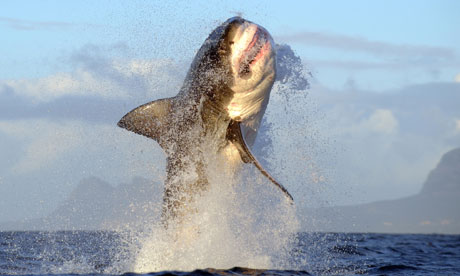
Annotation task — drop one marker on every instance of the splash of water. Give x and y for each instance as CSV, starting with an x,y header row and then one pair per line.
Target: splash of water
x,y
240,220
235,223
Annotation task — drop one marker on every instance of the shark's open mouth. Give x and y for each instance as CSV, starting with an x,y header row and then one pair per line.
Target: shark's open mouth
x,y
255,50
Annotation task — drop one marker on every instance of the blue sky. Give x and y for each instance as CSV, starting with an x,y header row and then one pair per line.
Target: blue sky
x,y
380,112
40,33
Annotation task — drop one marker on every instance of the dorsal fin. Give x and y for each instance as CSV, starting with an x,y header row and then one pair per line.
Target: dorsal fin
x,y
150,119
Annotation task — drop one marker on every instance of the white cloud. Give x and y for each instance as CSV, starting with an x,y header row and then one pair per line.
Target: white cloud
x,y
20,24
45,142
49,144
79,82
361,44
457,78
383,121
353,122
457,125
114,79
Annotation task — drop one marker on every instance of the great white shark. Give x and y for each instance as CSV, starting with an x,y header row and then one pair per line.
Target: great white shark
x,y
222,101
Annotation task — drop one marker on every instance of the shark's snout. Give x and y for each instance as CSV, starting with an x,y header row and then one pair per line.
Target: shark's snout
x,y
251,44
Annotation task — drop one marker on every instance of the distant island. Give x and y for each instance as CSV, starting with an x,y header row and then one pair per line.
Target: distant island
x,y
95,205
435,209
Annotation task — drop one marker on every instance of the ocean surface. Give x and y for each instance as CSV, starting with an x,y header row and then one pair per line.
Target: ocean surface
x,y
103,252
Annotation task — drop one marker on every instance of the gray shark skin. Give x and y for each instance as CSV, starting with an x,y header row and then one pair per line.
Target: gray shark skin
x,y
221,102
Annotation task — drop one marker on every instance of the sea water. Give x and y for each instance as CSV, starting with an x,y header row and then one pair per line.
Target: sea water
x,y
241,225
103,252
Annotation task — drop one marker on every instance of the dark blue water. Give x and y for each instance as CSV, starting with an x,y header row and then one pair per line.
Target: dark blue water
x,y
99,252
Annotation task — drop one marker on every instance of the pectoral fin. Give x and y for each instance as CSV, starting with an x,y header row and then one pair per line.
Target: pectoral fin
x,y
150,119
235,136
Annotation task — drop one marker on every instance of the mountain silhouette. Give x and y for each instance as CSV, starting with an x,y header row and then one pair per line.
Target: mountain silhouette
x,y
445,178
95,204
435,209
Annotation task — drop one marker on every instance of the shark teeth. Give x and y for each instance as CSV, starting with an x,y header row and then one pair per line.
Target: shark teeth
x,y
251,53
